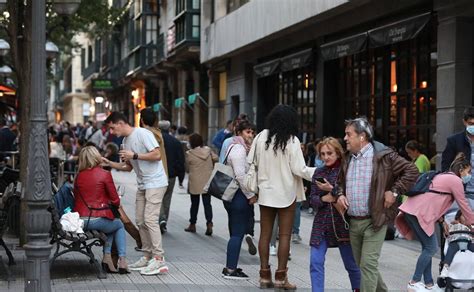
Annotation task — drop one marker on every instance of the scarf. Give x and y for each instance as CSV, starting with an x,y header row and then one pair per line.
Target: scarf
x,y
241,141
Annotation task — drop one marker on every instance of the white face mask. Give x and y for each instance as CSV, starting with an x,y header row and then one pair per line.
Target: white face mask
x,y
466,179
470,130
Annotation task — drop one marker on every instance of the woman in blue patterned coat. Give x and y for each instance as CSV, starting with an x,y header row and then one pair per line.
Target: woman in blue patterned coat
x,y
329,227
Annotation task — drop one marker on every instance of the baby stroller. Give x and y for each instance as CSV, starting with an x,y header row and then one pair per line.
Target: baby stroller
x,y
461,270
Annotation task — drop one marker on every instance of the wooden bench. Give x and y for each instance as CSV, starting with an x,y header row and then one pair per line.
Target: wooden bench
x,y
70,241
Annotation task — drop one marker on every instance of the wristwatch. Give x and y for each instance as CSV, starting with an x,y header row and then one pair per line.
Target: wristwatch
x,y
395,194
135,156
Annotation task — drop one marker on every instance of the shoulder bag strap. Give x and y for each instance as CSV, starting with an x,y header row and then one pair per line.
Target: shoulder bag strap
x,y
227,155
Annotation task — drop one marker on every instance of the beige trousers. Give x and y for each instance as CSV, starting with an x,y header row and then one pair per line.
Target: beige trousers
x,y
147,213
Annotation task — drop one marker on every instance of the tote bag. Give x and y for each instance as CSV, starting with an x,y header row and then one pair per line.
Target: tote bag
x,y
222,183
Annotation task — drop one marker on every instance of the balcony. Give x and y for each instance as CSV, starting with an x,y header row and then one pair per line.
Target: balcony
x,y
90,69
187,23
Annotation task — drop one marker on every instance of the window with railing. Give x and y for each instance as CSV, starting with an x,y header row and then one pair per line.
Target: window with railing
x,y
151,28
187,22
180,6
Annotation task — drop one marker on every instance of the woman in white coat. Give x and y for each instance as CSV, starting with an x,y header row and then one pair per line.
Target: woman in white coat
x,y
281,168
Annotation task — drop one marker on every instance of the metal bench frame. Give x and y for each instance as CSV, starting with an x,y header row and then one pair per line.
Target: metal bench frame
x,y
74,242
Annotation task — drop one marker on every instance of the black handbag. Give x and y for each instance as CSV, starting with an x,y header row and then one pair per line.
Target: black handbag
x,y
115,210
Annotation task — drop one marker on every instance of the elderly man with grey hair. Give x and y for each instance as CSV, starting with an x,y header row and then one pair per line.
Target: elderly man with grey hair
x,y
175,161
374,177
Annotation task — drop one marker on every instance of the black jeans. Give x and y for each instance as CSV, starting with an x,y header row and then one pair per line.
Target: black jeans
x,y
206,200
251,222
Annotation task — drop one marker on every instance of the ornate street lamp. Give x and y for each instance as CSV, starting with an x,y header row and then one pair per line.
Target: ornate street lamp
x,y
4,47
51,50
5,71
38,182
65,7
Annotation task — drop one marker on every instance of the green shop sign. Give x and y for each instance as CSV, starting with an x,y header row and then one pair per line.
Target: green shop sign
x,y
192,98
178,102
102,84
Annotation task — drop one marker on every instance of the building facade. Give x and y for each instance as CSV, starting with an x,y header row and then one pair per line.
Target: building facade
x,y
405,65
151,59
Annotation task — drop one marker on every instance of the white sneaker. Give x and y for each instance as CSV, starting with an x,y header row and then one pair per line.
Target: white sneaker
x,y
418,286
139,265
273,250
155,267
434,288
444,272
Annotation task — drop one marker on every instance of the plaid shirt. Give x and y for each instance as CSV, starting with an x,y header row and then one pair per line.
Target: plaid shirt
x,y
359,176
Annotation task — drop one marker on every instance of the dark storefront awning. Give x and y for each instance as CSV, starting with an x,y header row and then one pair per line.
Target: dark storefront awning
x,y
398,31
296,60
343,47
267,68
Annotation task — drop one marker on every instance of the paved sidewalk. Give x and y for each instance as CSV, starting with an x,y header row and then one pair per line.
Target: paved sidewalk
x,y
196,260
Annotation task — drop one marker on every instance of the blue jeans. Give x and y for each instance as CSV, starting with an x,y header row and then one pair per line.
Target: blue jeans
x,y
113,229
318,256
297,220
238,212
429,247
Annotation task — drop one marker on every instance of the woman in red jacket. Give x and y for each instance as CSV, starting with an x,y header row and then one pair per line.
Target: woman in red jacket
x,y
94,191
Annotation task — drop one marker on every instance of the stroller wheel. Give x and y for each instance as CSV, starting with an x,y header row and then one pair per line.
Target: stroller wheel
x,y
441,282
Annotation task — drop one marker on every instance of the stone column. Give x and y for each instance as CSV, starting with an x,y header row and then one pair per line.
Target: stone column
x,y
213,105
454,78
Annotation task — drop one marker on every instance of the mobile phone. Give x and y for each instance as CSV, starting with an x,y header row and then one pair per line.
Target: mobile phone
x,y
320,180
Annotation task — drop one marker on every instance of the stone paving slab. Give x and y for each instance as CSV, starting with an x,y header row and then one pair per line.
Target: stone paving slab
x,y
196,261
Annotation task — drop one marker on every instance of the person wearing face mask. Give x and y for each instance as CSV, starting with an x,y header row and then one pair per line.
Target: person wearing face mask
x,y
417,220
461,142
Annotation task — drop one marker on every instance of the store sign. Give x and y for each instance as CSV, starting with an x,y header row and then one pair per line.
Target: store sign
x,y
192,98
297,60
102,84
344,47
100,117
156,107
266,69
399,31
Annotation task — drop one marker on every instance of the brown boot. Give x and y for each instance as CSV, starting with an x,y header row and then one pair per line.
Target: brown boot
x,y
191,228
266,278
123,266
209,229
281,280
107,264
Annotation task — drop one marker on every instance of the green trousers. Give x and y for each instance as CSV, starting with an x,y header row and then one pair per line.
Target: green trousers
x,y
366,247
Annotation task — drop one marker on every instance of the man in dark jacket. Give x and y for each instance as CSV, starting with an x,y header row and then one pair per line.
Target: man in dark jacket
x,y
375,176
460,142
175,161
7,138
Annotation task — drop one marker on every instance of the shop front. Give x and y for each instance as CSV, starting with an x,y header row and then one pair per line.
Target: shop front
x,y
289,80
387,74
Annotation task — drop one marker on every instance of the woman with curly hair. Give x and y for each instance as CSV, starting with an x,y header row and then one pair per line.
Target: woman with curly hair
x,y
281,167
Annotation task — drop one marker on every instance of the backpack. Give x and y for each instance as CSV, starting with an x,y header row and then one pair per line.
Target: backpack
x,y
423,184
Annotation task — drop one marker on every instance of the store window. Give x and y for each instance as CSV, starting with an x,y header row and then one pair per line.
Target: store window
x,y
395,88
298,89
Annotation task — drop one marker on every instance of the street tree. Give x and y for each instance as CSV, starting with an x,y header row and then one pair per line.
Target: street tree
x,y
93,17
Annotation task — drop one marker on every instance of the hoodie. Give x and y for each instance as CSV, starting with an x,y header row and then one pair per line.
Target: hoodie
x,y
199,163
